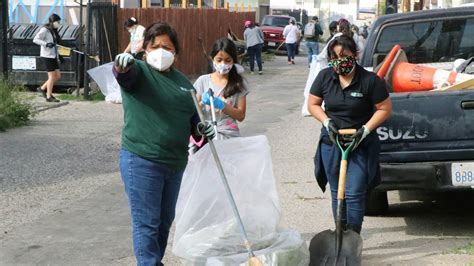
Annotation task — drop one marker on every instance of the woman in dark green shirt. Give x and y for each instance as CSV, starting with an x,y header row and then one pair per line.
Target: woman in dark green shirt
x,y
159,116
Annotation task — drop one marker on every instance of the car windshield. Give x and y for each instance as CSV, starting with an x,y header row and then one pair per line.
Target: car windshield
x,y
431,41
275,21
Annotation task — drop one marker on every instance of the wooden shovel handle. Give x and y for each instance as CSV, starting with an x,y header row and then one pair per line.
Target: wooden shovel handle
x,y
348,131
341,189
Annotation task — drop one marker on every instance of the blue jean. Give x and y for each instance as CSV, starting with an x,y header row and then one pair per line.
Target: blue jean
x,y
356,181
152,189
291,49
255,52
313,49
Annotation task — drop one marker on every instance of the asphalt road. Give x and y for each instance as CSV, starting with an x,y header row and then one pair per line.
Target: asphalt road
x,y
62,200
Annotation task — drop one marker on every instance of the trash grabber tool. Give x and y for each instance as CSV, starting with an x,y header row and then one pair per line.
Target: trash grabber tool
x,y
339,247
253,260
213,111
69,49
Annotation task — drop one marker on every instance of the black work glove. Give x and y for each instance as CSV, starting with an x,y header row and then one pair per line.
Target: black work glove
x,y
359,136
50,45
332,130
206,130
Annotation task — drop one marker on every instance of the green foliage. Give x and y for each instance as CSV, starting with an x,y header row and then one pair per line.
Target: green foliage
x,y
96,97
14,111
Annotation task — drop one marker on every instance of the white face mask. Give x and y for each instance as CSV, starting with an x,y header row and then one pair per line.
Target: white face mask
x,y
160,59
223,68
56,24
131,30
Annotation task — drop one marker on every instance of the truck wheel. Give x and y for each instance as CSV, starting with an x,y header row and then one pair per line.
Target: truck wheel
x,y
376,203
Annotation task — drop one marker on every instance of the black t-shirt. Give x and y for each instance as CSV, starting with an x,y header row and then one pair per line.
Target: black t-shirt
x,y
355,105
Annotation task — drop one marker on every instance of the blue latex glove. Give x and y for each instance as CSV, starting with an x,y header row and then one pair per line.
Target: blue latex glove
x,y
218,103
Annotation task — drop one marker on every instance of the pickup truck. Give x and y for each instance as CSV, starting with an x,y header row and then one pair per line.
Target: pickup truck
x,y
428,142
272,28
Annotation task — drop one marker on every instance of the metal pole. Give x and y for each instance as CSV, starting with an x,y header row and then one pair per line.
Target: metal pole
x,y
80,48
4,38
87,49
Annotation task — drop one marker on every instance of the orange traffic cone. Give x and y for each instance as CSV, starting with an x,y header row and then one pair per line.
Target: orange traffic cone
x,y
406,77
411,77
387,61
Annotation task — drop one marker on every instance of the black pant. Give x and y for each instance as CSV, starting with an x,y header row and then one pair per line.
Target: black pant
x,y
255,52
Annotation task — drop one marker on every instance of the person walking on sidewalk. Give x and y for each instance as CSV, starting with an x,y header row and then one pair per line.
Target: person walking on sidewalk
x,y
230,90
312,30
354,98
253,37
48,38
135,46
159,116
292,35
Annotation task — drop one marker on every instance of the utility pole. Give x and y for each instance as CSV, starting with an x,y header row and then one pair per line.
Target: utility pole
x,y
79,56
88,50
391,6
301,14
4,38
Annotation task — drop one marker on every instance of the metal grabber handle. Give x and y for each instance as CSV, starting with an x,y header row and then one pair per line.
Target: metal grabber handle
x,y
224,181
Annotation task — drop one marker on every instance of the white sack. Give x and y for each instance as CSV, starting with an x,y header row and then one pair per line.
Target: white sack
x,y
107,83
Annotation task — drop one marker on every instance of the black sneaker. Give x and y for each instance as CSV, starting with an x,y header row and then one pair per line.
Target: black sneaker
x,y
52,99
43,92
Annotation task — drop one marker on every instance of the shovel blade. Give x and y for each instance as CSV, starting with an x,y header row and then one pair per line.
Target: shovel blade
x,y
322,249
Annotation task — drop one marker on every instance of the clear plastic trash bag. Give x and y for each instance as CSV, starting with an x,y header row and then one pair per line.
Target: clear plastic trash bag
x,y
206,230
107,83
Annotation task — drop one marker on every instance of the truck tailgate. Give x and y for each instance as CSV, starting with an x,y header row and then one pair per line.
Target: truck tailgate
x,y
429,126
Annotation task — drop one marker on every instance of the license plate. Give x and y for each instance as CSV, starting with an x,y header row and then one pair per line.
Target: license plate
x,y
271,44
462,174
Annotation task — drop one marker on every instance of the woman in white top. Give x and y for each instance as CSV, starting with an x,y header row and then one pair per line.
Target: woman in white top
x,y
48,38
135,47
291,34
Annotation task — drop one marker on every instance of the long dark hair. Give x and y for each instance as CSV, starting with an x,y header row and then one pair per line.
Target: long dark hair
x,y
157,29
346,42
235,81
53,18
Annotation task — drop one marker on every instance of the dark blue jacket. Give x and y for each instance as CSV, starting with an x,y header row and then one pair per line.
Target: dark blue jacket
x,y
371,149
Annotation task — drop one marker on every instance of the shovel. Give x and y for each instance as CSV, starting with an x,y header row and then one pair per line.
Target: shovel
x,y
340,247
253,260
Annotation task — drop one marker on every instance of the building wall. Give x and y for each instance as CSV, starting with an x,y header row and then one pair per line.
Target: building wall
x,y
260,7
